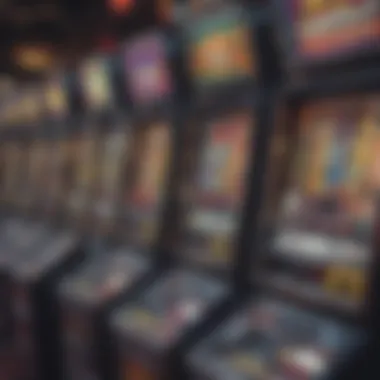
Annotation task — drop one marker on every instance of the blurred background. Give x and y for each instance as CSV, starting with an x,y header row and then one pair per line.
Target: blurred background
x,y
38,36
189,189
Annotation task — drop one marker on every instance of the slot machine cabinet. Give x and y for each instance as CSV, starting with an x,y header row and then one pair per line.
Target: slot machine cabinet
x,y
313,309
8,152
320,38
106,110
85,294
17,228
15,138
154,327
126,265
37,271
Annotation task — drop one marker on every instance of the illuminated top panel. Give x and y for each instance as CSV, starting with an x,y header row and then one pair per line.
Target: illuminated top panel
x,y
221,49
147,69
325,28
327,217
96,83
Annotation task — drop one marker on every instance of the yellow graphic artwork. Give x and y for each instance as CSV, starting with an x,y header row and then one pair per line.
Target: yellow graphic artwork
x,y
220,248
224,54
363,152
96,84
344,281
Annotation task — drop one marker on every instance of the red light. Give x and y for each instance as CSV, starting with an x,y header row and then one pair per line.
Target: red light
x,y
121,6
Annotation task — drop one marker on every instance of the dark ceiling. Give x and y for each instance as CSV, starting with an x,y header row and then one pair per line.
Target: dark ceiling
x,y
69,28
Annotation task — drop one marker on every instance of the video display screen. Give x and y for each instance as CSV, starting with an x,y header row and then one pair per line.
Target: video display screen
x,y
213,218
221,49
329,28
96,83
113,153
84,151
147,69
327,215
154,159
145,198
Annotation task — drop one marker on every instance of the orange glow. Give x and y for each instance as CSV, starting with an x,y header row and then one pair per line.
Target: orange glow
x,y
33,58
121,6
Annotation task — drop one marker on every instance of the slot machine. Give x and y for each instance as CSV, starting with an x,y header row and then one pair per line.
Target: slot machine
x,y
20,182
10,156
36,271
84,293
106,106
318,37
313,309
17,234
21,113
126,264
154,327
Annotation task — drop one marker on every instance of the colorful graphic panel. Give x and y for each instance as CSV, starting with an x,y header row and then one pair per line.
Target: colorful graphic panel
x,y
326,28
213,219
147,69
154,160
327,217
221,49
96,83
146,196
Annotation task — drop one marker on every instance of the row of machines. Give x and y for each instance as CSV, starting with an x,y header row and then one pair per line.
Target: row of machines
x,y
174,210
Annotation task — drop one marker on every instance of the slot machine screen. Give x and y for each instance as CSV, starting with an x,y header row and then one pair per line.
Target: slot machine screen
x,y
83,149
56,101
148,189
114,151
327,216
96,83
329,28
147,69
155,151
221,49
213,218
